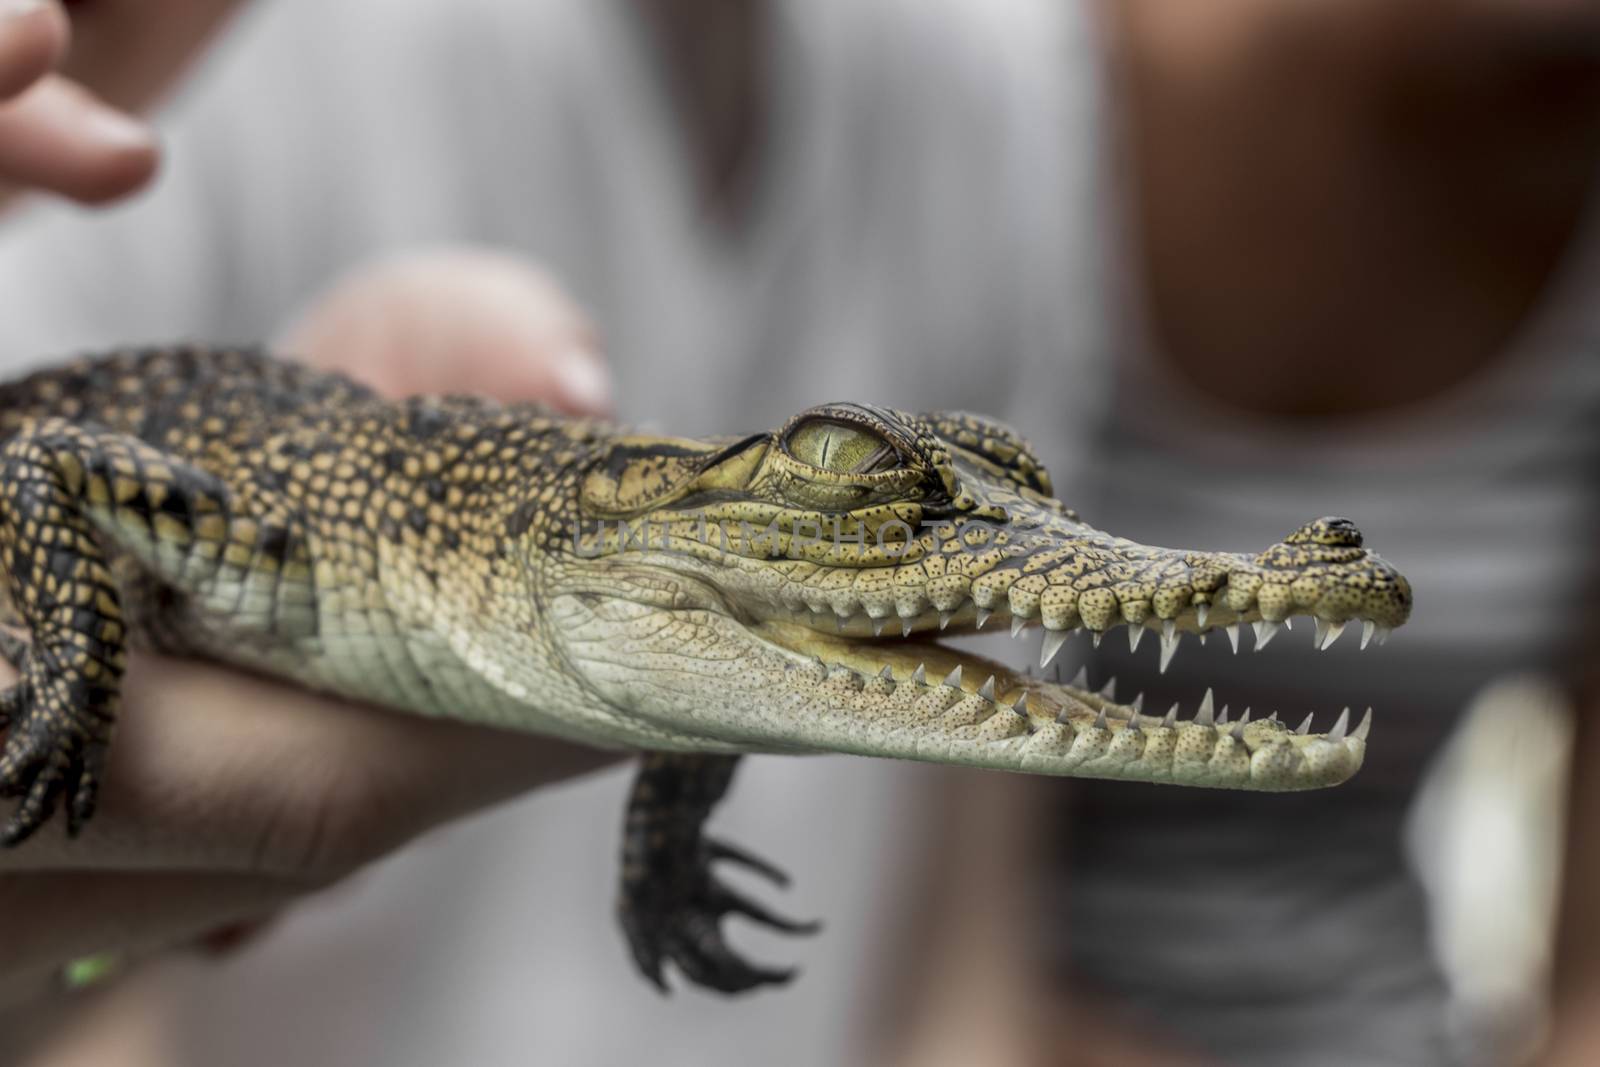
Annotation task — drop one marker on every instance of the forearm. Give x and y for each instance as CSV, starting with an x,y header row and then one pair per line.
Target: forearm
x,y
1575,982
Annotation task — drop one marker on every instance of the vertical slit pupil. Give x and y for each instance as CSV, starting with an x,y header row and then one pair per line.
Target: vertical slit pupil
x,y
839,447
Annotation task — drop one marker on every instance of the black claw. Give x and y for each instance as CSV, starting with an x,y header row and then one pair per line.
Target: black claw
x,y
672,904
78,798
728,901
706,960
723,850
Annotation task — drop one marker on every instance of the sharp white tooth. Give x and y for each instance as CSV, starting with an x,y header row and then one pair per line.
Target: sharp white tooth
x,y
1169,647
1233,636
986,690
1368,628
982,617
1360,732
1382,634
887,674
1097,637
1238,730
877,627
1273,717
1053,640
1319,640
1334,630
1135,634
1100,720
944,619
1020,707
1109,690
1340,727
1288,624
1207,707
920,675
953,679
840,622
905,627
1168,629
1265,632
1138,704
1017,624
1201,612
1063,718
1081,679
1222,716
1172,717
1202,639
1304,728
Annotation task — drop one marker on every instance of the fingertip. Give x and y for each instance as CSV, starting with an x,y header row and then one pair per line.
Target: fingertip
x,y
60,137
127,156
33,38
582,382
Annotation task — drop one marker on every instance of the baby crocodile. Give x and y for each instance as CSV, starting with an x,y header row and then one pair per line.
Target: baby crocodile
x,y
694,599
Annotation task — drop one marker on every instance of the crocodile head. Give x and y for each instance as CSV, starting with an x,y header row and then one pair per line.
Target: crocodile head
x,y
784,591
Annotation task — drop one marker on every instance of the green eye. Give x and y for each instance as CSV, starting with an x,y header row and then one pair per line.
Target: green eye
x,y
840,447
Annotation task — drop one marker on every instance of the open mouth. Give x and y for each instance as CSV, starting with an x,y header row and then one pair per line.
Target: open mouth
x,y
932,701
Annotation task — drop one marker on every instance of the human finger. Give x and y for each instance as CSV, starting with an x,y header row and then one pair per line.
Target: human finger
x,y
458,320
59,137
33,36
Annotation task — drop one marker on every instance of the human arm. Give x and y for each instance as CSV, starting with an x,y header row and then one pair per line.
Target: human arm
x,y
1574,1036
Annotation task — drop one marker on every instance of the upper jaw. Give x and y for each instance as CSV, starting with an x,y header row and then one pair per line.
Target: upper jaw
x,y
1064,576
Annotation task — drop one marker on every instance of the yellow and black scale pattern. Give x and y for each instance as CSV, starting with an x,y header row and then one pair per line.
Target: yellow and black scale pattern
x,y
225,503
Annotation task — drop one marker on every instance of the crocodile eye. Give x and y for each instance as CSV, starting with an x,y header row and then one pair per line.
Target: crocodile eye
x,y
840,447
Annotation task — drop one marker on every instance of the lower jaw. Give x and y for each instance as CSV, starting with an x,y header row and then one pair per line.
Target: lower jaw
x,y
973,711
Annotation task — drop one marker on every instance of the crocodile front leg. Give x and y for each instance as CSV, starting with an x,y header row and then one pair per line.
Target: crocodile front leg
x,y
672,904
74,501
59,715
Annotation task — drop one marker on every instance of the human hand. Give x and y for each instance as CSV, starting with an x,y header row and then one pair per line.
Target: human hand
x,y
227,796
66,114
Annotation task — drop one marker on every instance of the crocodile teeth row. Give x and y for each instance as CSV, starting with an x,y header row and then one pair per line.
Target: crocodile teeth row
x,y
1057,608
945,720
1206,714
1326,631
1171,637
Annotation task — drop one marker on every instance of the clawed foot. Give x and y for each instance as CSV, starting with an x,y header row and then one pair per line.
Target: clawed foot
x,y
55,744
672,907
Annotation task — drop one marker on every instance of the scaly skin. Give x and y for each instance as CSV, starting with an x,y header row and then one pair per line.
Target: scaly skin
x,y
774,593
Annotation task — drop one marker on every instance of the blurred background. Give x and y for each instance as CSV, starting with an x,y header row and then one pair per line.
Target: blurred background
x,y
1229,265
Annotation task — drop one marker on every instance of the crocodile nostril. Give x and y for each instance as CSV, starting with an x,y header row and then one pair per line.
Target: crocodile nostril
x,y
1329,530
